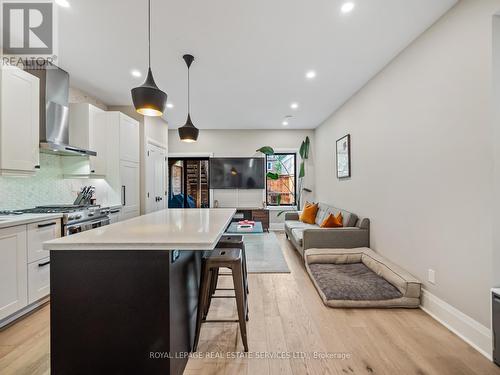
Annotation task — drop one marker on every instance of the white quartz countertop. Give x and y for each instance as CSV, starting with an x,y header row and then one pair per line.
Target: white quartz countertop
x,y
15,220
170,229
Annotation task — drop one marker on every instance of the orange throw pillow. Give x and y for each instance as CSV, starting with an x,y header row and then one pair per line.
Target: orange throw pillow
x,y
333,221
309,213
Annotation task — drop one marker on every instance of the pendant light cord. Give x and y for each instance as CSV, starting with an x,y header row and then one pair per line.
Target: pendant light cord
x,y
189,94
149,31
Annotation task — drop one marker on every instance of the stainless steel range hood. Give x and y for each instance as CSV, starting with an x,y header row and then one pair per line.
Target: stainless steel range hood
x,y
54,112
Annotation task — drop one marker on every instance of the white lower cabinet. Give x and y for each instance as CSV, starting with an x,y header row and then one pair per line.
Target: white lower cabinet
x,y
38,233
115,215
24,266
13,271
38,280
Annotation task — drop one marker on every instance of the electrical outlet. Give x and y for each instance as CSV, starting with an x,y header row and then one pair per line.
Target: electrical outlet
x,y
432,276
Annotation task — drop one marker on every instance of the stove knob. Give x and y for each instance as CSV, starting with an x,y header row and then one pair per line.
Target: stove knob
x,y
78,217
71,217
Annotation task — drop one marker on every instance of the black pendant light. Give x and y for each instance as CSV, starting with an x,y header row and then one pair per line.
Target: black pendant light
x,y
148,99
188,132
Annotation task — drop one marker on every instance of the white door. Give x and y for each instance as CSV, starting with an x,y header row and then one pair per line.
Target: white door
x,y
156,179
13,270
129,174
19,121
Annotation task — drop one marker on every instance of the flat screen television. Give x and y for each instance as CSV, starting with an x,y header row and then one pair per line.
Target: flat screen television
x,y
237,173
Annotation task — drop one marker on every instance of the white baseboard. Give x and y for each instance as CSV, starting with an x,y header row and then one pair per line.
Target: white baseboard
x,y
468,329
8,320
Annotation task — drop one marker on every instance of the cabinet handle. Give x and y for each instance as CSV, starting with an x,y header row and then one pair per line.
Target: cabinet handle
x,y
114,211
37,167
92,171
44,264
124,195
46,225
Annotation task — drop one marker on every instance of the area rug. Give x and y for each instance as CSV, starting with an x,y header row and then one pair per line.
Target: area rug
x,y
264,254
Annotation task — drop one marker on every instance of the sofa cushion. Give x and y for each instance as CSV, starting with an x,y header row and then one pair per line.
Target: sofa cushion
x,y
309,213
293,224
324,210
332,221
322,213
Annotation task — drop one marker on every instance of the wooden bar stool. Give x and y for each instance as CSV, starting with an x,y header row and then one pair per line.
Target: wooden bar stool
x,y
226,258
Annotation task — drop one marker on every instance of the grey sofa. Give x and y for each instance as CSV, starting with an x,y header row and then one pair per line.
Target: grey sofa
x,y
355,233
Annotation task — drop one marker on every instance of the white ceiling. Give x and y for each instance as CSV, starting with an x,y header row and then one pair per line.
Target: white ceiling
x,y
251,55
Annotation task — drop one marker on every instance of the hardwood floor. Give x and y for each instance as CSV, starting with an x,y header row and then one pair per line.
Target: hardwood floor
x,y
287,318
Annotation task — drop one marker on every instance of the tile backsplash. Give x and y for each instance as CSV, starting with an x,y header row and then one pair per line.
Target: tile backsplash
x,y
46,187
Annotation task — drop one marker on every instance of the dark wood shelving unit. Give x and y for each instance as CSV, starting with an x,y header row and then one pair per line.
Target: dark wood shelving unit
x,y
255,214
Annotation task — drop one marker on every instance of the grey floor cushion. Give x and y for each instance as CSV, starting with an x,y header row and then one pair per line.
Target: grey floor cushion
x,y
352,282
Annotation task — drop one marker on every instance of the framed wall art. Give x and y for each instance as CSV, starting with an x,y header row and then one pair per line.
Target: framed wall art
x,y
344,157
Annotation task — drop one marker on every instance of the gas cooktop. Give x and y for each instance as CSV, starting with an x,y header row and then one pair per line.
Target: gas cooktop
x,y
56,209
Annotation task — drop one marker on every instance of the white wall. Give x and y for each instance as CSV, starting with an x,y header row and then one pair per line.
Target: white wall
x,y
242,143
422,158
496,149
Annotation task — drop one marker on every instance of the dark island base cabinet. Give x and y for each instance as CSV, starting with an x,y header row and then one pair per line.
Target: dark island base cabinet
x,y
123,312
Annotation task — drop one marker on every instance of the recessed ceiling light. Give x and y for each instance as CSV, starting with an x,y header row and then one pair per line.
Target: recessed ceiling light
x,y
63,3
294,105
310,74
170,105
286,120
136,73
347,7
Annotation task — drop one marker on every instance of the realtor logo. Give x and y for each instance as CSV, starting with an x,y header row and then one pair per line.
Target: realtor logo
x,y
27,28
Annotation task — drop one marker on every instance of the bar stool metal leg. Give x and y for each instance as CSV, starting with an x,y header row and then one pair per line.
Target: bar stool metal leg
x,y
202,301
240,302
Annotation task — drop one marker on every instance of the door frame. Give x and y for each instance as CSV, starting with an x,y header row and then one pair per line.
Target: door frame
x,y
151,144
183,157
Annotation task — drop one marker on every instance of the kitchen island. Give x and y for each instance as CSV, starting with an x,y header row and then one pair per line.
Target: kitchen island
x,y
124,297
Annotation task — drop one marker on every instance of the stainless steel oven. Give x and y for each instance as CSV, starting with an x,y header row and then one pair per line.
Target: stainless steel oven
x,y
75,218
70,229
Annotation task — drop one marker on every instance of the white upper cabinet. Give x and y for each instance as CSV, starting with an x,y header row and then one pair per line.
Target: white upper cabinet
x,y
123,159
87,133
129,139
19,121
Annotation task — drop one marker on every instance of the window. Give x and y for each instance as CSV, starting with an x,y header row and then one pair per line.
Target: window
x,y
280,179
